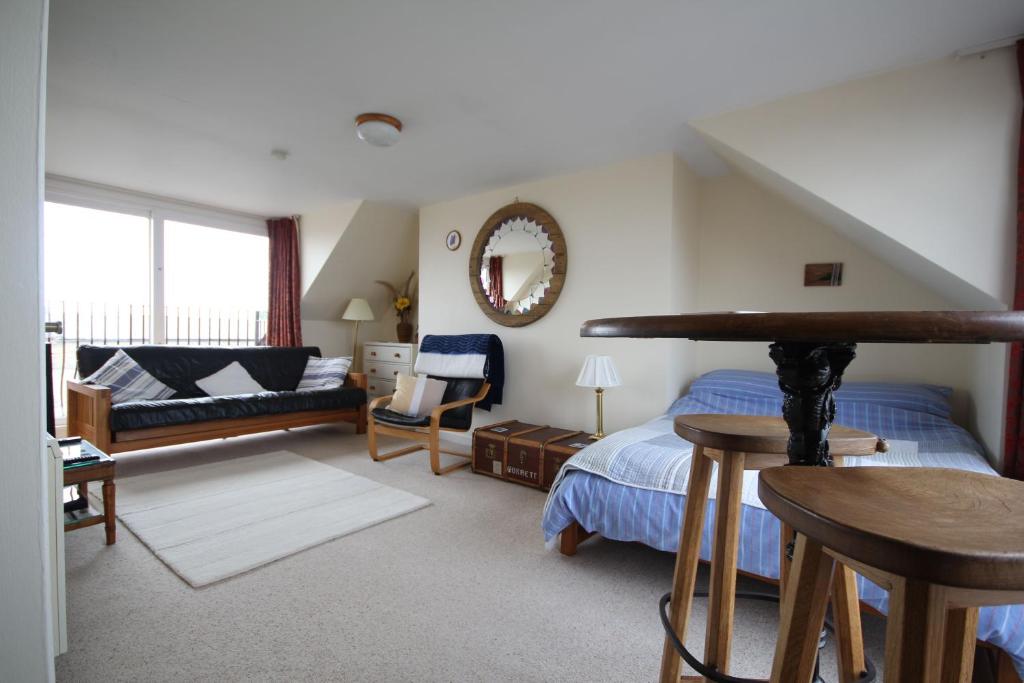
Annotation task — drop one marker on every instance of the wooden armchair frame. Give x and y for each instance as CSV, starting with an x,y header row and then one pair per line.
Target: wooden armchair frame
x,y
430,434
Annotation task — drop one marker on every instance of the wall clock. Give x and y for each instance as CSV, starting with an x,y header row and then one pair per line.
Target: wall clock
x,y
453,241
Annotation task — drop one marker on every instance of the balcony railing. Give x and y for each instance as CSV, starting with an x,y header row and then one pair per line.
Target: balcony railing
x,y
125,324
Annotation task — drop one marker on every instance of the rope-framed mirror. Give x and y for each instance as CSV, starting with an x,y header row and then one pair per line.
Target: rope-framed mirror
x,y
517,265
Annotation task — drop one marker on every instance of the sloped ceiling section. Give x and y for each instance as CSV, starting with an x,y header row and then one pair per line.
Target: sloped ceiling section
x,y
371,241
916,166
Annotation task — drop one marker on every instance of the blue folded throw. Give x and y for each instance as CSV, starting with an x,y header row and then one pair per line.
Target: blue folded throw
x,y
467,356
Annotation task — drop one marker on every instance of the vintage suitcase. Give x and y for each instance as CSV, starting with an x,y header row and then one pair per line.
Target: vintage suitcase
x,y
490,445
525,457
557,452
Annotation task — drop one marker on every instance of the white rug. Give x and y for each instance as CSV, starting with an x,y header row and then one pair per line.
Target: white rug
x,y
211,522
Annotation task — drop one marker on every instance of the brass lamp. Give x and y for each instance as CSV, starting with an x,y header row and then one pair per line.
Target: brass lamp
x,y
598,373
357,310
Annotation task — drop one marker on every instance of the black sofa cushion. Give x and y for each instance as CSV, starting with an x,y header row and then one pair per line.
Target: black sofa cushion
x,y
459,418
147,414
275,368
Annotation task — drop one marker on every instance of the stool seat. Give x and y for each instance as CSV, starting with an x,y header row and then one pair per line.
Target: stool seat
x,y
767,435
942,526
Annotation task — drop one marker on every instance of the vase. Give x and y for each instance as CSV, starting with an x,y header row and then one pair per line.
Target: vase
x,y
404,331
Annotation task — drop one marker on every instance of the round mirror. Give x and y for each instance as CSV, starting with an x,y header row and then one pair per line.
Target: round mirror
x,y
517,265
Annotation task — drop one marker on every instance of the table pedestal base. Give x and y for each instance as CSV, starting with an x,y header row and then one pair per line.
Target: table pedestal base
x,y
808,375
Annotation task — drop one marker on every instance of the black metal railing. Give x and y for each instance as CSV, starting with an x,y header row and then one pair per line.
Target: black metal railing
x,y
128,323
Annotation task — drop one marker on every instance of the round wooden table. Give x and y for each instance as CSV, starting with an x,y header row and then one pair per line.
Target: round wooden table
x,y
812,350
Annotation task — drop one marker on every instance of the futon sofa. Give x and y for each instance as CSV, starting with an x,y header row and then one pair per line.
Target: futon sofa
x,y
190,414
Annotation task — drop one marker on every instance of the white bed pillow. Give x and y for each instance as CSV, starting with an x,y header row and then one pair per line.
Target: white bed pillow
x,y
417,396
128,381
324,373
232,380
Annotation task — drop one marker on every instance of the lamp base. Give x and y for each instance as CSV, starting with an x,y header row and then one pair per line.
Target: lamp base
x,y
599,434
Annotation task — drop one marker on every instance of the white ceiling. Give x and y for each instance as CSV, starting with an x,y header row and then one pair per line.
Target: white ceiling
x,y
186,98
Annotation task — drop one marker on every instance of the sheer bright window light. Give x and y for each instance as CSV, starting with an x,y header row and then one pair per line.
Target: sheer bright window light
x,y
599,373
379,130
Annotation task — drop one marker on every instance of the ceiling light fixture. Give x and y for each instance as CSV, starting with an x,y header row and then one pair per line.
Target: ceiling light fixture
x,y
379,130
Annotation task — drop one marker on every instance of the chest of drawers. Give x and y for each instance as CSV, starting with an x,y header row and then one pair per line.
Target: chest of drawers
x,y
383,362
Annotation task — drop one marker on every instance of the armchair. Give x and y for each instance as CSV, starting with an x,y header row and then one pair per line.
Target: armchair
x,y
455,414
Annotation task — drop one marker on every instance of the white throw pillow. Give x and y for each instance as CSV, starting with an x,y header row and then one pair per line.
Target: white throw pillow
x,y
128,381
233,380
417,396
324,373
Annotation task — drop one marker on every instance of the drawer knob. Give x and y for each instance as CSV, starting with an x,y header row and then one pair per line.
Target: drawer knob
x,y
396,373
373,353
373,371
398,355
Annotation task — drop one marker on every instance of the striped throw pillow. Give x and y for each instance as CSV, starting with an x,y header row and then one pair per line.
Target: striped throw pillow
x,y
417,396
324,373
128,381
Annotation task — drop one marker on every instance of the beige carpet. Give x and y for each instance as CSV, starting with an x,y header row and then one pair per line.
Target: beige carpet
x,y
462,590
214,521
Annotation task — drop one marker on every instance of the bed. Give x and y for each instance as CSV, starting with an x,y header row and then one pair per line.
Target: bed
x,y
630,486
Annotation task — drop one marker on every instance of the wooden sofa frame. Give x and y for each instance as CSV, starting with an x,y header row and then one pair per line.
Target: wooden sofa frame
x,y
88,410
1004,672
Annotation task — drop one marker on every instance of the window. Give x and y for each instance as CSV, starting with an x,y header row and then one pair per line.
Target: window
x,y
215,285
112,258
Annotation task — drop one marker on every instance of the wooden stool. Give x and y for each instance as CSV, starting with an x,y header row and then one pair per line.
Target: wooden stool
x,y
738,443
942,542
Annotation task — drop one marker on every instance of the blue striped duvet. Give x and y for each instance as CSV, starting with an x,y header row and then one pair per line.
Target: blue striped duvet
x,y
612,507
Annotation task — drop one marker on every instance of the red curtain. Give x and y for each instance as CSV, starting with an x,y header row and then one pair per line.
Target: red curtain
x,y
495,269
284,322
1013,464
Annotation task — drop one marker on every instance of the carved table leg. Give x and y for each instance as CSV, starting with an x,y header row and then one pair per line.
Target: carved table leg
x,y
808,375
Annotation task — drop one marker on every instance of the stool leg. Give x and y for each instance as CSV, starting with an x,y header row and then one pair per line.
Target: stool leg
x,y
803,614
722,593
785,538
687,557
914,632
958,652
849,636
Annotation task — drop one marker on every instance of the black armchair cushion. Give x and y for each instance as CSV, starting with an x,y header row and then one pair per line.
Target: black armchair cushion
x,y
460,418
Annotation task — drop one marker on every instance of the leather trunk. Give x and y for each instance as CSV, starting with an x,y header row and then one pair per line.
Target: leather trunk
x,y
490,445
524,463
557,452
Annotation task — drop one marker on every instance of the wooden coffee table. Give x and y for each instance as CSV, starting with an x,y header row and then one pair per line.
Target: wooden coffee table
x,y
80,475
811,351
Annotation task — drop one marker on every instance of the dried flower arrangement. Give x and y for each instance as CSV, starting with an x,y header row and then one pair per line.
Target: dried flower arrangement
x,y
402,303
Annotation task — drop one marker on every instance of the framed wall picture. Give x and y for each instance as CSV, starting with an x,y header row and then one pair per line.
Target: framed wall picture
x,y
453,241
823,274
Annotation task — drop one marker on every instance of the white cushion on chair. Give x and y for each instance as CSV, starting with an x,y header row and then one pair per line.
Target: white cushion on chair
x,y
417,396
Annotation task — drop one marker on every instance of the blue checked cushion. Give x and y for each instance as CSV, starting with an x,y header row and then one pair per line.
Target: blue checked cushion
x,y
128,381
324,373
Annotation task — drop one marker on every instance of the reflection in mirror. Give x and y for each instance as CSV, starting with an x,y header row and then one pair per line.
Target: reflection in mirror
x,y
517,265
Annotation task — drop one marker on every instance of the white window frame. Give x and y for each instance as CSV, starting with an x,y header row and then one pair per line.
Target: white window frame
x,y
64,190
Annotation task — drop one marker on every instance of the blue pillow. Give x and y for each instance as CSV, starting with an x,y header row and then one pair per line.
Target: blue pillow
x,y
747,384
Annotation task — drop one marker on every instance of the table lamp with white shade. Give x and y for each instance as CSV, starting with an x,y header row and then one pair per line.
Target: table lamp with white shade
x,y
357,310
599,373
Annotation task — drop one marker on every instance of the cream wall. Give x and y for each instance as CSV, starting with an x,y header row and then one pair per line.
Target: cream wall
x,y
917,164
26,648
344,249
648,237
622,236
753,248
